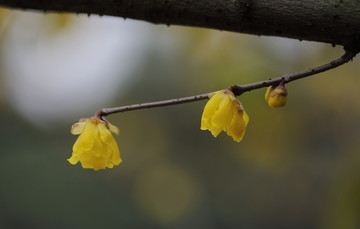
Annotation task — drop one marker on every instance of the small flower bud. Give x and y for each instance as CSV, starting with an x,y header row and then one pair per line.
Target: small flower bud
x,y
277,97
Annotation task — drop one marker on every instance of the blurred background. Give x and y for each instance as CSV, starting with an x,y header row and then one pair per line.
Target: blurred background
x,y
297,167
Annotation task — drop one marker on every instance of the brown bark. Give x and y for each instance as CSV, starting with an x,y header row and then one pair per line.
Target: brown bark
x,y
330,21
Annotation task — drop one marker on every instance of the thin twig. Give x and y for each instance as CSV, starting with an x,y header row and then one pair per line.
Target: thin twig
x,y
107,111
348,55
237,89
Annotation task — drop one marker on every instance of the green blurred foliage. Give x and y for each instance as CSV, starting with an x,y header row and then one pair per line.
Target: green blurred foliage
x,y
297,167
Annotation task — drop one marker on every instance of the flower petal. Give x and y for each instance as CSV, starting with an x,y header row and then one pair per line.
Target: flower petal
x,y
109,140
246,117
115,159
113,128
215,131
268,92
210,109
73,160
224,113
77,128
237,127
86,139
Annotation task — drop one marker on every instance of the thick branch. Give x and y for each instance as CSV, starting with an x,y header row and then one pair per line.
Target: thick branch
x,y
330,21
237,89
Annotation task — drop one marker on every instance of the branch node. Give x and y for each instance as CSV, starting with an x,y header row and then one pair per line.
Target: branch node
x,y
236,89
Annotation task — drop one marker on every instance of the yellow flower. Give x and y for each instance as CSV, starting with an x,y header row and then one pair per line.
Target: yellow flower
x,y
276,97
224,112
95,148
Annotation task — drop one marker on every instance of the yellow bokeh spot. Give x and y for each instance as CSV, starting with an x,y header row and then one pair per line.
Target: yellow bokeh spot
x,y
166,193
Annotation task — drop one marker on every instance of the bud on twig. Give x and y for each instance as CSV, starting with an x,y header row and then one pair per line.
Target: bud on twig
x,y
276,97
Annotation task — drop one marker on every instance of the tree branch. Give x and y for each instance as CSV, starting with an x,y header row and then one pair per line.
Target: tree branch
x,y
348,55
329,21
107,111
237,89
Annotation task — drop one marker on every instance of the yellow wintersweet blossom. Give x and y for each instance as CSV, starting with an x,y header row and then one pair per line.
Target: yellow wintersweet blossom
x,y
276,97
95,148
223,112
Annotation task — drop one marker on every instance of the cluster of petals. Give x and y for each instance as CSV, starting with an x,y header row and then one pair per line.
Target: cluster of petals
x,y
223,112
95,148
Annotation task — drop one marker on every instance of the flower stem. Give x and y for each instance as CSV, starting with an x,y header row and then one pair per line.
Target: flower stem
x,y
237,89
